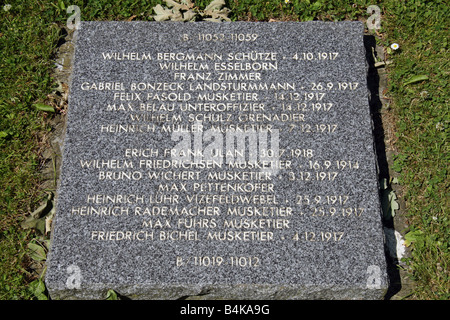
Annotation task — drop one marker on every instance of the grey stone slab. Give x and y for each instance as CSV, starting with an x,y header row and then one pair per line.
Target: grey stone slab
x,y
138,219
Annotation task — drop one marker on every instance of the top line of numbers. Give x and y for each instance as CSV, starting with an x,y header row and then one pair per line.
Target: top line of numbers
x,y
247,37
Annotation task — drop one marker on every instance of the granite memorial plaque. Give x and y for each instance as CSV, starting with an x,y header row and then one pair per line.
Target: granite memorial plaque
x,y
218,161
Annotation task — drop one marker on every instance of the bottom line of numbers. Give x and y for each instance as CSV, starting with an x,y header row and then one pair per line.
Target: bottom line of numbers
x,y
216,261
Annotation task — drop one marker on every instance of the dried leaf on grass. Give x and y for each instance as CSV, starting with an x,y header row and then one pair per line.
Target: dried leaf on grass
x,y
162,13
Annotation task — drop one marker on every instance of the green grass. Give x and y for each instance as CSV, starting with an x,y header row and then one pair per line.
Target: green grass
x,y
29,32
26,43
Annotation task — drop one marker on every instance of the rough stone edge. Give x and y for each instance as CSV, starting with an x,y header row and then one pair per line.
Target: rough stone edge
x,y
224,292
63,75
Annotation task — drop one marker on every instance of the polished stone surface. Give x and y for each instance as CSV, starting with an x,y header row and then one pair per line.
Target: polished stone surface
x,y
132,219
